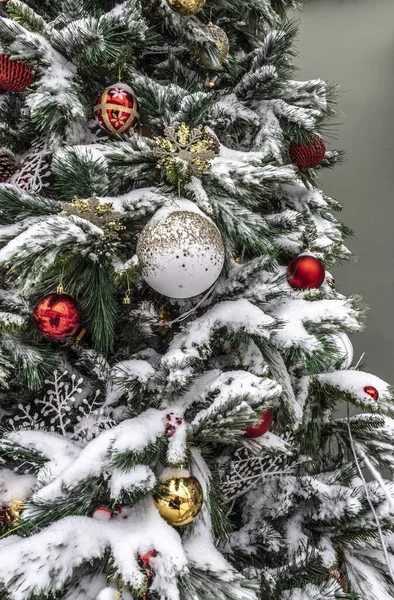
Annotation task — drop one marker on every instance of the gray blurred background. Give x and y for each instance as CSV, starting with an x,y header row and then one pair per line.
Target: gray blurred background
x,y
351,42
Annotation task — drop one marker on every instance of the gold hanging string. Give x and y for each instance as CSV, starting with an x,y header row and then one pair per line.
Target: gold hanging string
x,y
80,335
60,287
127,299
120,71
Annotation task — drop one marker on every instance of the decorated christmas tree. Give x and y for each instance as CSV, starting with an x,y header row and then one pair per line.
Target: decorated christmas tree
x,y
173,348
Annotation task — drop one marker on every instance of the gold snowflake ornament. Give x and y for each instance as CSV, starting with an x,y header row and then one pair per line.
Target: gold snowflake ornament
x,y
185,150
101,214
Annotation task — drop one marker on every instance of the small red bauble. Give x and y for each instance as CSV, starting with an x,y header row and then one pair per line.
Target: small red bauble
x,y
57,316
116,109
372,391
307,156
266,419
102,514
305,272
15,75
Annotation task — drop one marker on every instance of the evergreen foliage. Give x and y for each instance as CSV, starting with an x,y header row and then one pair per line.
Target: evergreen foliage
x,y
93,420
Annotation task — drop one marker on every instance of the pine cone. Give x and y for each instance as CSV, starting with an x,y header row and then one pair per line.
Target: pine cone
x,y
7,164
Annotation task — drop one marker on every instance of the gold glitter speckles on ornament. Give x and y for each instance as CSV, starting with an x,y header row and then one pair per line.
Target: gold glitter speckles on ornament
x,y
101,214
195,147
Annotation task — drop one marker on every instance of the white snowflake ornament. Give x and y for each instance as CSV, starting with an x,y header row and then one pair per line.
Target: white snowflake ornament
x,y
181,251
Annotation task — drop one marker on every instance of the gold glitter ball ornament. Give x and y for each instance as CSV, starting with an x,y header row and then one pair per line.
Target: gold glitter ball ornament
x,y
178,497
186,7
222,42
180,251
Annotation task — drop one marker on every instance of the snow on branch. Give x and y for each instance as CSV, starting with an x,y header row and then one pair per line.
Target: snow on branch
x,y
301,318
54,101
47,560
353,383
139,203
34,251
238,396
132,435
55,451
237,172
15,487
238,317
304,117
254,280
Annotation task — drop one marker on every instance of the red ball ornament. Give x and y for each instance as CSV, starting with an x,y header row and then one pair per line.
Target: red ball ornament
x,y
372,391
116,109
266,419
307,156
102,514
57,316
15,75
305,272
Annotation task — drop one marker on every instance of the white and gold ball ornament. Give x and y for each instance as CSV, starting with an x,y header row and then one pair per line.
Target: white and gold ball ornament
x,y
180,251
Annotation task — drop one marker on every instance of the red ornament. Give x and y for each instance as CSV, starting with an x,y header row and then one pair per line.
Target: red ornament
x,y
116,109
307,156
102,514
15,75
266,419
305,272
372,391
57,316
